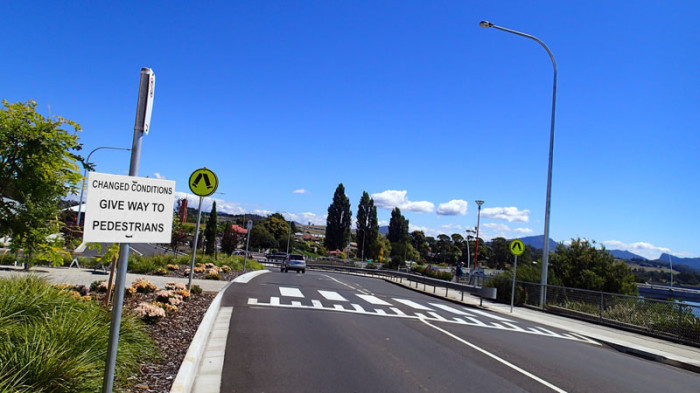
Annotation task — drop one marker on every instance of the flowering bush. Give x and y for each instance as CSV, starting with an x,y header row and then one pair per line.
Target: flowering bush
x,y
226,269
160,272
169,297
102,287
175,286
187,272
184,293
144,286
129,291
210,266
173,267
213,274
75,294
169,308
199,269
149,312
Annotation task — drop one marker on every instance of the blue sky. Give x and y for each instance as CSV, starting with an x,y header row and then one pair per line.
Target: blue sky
x,y
408,100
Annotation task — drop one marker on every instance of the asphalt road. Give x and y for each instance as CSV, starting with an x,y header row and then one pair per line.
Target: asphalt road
x,y
326,332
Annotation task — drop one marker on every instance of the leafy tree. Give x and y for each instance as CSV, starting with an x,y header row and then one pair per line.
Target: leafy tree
x,y
279,228
582,265
383,248
367,227
37,168
420,244
501,252
178,236
210,232
398,227
260,238
229,240
338,221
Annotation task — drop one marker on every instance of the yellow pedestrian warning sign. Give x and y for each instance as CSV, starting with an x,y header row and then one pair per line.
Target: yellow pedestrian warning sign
x,y
517,247
203,182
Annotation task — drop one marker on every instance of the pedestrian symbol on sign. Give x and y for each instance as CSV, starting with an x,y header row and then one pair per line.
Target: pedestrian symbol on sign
x,y
517,247
203,182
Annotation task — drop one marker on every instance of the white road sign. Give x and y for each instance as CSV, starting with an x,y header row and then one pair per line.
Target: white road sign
x,y
128,209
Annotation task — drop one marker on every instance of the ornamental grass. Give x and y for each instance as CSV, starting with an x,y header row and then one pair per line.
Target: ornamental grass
x,y
51,341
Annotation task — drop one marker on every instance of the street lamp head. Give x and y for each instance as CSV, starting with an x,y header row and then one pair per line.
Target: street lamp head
x,y
484,24
479,203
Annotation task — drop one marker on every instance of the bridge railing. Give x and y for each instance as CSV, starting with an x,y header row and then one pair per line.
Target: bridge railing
x,y
665,319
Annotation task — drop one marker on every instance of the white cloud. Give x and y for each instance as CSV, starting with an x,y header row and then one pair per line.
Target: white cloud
x,y
158,176
427,231
453,208
300,191
523,231
644,249
390,199
510,214
452,227
305,218
497,227
385,223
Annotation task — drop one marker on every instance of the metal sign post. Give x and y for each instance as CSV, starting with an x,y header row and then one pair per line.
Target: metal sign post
x,y
203,182
516,248
143,118
196,240
245,258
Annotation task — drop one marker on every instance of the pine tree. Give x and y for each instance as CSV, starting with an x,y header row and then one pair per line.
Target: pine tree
x,y
367,227
229,240
398,227
210,232
338,221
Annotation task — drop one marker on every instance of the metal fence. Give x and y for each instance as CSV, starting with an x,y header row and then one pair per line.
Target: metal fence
x,y
666,319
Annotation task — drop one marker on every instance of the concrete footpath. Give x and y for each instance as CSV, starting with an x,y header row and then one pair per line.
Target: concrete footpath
x,y
75,276
204,360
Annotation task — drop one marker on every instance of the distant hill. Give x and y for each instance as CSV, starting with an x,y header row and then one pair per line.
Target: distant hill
x,y
625,255
692,262
538,242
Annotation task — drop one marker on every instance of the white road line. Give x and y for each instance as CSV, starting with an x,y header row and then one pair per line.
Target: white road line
x,y
476,321
488,314
413,304
584,338
274,301
437,316
317,303
397,311
374,300
345,284
252,301
498,359
339,307
357,307
379,311
296,303
291,292
514,327
451,309
330,295
551,333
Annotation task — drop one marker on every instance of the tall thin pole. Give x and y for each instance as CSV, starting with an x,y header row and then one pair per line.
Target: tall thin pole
x,y
196,241
245,258
545,251
147,79
478,219
671,262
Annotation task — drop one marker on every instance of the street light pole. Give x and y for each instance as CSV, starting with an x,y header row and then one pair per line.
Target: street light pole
x,y
87,161
545,251
478,219
469,257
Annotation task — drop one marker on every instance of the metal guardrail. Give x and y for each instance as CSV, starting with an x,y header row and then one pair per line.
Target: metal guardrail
x,y
660,318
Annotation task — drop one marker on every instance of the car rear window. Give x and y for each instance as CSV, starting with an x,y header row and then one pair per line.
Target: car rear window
x,y
295,257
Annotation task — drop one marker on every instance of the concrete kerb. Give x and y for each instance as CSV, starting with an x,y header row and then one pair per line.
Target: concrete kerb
x,y
628,348
190,364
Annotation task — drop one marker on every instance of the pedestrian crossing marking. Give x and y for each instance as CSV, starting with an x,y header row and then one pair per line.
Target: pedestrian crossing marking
x,y
413,304
291,292
334,296
451,309
374,300
467,317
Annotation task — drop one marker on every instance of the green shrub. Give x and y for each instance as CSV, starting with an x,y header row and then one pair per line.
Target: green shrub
x,y
196,289
53,342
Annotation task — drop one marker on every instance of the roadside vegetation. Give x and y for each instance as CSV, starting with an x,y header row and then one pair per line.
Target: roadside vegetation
x,y
52,340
